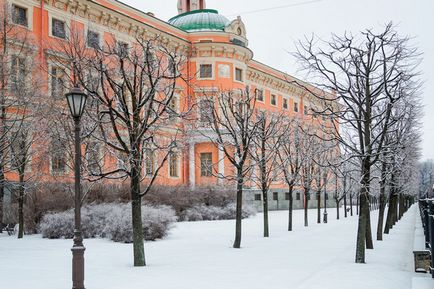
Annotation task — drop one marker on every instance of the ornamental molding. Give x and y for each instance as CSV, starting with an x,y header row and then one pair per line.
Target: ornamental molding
x,y
115,23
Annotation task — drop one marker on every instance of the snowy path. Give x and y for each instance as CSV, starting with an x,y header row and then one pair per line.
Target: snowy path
x,y
199,256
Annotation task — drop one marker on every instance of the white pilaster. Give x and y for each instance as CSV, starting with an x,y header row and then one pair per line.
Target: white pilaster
x,y
221,164
192,165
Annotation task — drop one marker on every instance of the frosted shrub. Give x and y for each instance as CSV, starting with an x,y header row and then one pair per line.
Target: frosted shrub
x,y
58,225
210,213
157,221
112,221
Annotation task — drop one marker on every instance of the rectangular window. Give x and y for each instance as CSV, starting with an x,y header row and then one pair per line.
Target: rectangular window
x,y
305,110
317,195
295,106
297,196
275,196
308,197
19,15
149,162
58,28
205,71
93,39
238,74
287,196
206,164
273,99
206,107
173,165
326,196
258,197
285,103
259,94
18,72
57,82
58,157
123,49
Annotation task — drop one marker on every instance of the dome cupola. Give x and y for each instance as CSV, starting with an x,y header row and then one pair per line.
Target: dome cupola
x,y
200,20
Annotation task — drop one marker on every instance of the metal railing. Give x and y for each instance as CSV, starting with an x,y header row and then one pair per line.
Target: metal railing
x,y
426,207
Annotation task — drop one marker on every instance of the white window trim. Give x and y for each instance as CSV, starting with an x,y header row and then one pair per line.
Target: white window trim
x,y
61,17
277,99
218,70
64,173
263,95
243,74
67,72
287,103
198,64
24,4
96,30
178,167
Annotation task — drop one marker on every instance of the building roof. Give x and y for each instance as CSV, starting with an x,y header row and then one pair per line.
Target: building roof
x,y
200,20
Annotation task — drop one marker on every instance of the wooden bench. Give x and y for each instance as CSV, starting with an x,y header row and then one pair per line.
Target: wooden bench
x,y
9,228
422,256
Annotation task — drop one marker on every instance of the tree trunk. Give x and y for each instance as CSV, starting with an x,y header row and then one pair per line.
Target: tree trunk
x,y
382,203
361,231
265,208
357,205
306,204
1,199
337,209
21,207
369,242
138,245
319,207
345,205
390,213
381,215
237,242
351,205
291,201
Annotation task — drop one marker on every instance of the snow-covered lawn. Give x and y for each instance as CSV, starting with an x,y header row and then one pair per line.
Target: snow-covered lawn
x,y
199,256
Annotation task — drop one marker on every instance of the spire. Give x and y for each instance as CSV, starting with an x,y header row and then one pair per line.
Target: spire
x,y
190,5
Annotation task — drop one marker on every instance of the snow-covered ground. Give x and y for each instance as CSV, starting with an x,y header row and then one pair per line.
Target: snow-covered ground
x,y
199,256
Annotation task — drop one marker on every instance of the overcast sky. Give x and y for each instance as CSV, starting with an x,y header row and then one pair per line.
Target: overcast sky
x,y
272,32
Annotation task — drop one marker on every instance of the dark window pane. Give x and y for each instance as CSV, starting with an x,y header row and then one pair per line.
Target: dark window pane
x,y
206,164
297,196
19,15
205,71
275,196
93,39
58,28
257,197
238,74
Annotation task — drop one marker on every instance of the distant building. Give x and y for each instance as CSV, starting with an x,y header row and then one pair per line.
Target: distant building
x,y
218,56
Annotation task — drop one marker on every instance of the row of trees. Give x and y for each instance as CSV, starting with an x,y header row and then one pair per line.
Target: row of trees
x,y
364,130
374,79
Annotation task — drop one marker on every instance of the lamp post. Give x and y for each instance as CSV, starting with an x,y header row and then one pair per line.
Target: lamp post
x,y
76,101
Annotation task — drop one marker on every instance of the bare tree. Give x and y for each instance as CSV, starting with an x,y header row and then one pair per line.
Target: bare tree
x,y
234,123
290,159
266,145
136,105
366,75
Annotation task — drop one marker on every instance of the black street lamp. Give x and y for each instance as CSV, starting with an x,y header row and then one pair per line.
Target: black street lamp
x,y
76,101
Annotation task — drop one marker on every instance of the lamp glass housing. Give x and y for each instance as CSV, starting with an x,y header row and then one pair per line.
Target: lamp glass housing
x,y
76,101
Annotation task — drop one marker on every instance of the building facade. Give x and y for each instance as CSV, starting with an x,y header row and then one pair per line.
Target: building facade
x,y
218,58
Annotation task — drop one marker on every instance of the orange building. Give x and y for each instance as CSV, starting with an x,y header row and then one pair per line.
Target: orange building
x,y
218,55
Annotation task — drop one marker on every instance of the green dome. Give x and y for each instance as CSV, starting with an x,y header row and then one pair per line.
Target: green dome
x,y
200,20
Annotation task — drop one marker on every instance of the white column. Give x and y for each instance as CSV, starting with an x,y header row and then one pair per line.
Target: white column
x,y
221,165
192,166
